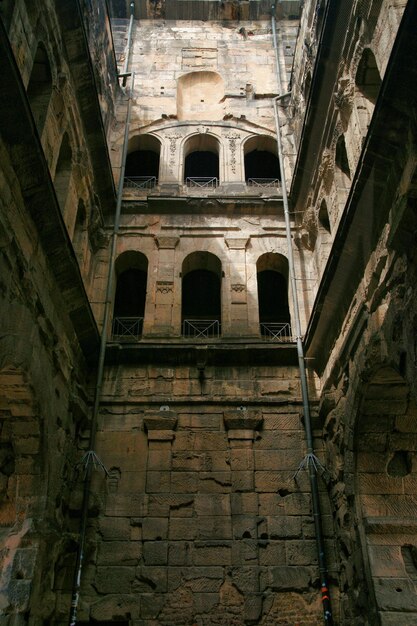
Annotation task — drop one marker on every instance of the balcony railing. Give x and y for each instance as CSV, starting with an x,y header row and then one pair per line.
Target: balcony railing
x,y
202,182
264,183
276,332
201,329
127,328
140,182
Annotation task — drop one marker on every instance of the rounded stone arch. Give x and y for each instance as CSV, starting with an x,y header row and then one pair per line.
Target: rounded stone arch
x,y
385,479
202,156
143,156
201,274
131,271
272,281
200,95
367,86
39,89
260,155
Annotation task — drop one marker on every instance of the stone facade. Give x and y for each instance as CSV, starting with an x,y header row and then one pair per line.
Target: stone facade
x,y
199,509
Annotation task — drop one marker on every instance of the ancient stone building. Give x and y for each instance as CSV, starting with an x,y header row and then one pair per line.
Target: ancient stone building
x,y
208,219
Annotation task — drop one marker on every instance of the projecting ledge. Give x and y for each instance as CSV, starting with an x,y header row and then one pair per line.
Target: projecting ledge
x,y
225,354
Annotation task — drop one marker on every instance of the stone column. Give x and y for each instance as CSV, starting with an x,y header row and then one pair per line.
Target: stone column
x,y
235,300
164,301
234,175
169,169
160,426
242,427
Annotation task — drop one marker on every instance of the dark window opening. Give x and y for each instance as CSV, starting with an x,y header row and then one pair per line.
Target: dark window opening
x,y
130,294
201,295
368,80
324,217
273,298
63,172
142,163
39,89
261,164
201,164
342,162
130,297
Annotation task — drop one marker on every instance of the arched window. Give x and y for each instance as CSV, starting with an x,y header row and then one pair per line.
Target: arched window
x,y
130,297
142,162
201,299
323,218
261,162
80,229
39,89
63,172
368,84
200,96
274,314
201,161
342,170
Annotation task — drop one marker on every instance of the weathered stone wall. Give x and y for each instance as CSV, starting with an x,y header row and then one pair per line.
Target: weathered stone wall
x,y
43,401
234,66
201,519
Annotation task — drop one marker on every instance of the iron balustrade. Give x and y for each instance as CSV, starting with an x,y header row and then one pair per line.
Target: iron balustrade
x,y
127,328
265,183
203,182
201,329
140,182
276,331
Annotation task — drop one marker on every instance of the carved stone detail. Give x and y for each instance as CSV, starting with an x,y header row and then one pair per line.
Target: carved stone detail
x,y
164,286
238,287
233,148
167,243
237,243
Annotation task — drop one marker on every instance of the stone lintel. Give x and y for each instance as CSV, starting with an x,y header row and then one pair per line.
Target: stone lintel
x,y
160,421
237,243
245,434
167,243
242,421
161,435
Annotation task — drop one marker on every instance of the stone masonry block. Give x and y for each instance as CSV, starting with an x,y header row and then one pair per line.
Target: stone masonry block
x,y
150,578
212,553
214,482
155,552
242,481
159,460
289,578
114,528
212,528
179,553
244,503
182,528
272,553
119,553
155,528
212,504
116,579
184,482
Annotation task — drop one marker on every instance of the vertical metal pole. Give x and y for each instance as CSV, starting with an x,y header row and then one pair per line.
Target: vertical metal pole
x,y
310,459
100,371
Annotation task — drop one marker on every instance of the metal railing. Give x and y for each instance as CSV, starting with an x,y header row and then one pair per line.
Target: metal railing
x,y
264,183
276,331
127,328
201,329
140,182
202,182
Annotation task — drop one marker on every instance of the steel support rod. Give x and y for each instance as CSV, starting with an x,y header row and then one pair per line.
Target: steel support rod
x,y
100,371
311,464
